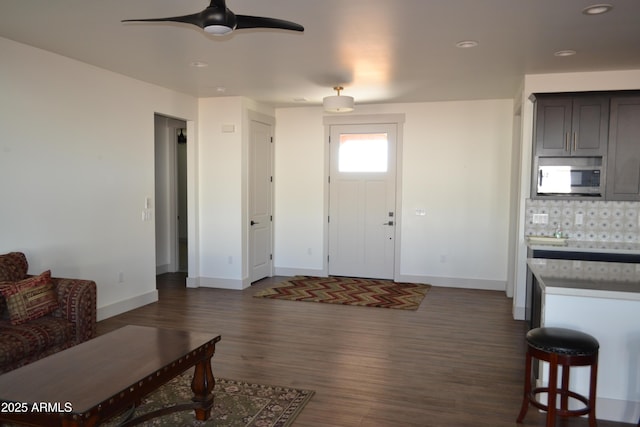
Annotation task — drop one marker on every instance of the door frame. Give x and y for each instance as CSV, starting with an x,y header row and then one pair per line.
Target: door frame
x,y
372,119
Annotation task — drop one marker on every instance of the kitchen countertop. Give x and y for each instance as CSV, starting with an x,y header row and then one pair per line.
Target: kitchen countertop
x,y
595,279
631,248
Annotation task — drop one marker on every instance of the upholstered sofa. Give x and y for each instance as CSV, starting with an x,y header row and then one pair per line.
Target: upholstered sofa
x,y
39,314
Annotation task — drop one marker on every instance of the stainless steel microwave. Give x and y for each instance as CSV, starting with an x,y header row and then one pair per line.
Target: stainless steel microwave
x,y
570,176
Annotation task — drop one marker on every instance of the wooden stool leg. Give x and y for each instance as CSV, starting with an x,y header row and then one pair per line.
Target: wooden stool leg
x,y
592,393
553,388
527,389
564,398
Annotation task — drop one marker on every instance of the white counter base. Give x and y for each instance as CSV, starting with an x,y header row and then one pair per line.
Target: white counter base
x,y
607,308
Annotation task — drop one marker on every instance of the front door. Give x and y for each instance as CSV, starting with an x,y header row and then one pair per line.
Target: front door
x,y
362,200
260,216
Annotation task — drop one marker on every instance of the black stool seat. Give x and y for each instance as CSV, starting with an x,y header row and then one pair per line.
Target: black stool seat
x,y
562,341
561,348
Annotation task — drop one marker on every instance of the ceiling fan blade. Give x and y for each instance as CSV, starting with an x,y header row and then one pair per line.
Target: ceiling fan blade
x,y
194,19
246,21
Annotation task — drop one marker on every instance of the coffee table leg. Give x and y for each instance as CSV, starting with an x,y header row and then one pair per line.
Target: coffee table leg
x,y
202,386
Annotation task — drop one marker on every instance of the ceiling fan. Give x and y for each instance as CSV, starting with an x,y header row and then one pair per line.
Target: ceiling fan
x,y
218,20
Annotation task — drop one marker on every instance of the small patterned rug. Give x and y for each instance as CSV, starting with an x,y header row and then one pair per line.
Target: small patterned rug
x,y
349,291
235,404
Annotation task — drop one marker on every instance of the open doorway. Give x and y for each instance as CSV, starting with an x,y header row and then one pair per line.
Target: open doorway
x,y
171,139
181,195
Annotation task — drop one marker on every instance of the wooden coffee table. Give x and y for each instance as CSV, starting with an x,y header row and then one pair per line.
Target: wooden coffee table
x,y
98,379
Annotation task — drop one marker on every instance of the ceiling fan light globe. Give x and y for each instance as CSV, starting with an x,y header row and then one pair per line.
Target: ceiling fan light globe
x,y
218,30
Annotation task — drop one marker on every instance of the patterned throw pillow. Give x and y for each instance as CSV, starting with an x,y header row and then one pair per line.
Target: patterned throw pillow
x,y
30,298
13,267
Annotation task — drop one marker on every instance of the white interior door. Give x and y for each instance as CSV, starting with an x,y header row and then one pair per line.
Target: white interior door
x,y
260,195
362,200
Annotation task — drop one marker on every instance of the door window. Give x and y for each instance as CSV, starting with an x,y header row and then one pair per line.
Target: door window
x,y
363,152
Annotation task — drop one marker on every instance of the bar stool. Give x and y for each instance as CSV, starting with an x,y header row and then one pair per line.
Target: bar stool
x,y
566,348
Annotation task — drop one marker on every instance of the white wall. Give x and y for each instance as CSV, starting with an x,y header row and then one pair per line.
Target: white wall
x,y
220,197
223,195
299,215
456,166
541,83
76,164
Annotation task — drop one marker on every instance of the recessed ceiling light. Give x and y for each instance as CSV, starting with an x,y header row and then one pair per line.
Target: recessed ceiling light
x,y
199,64
597,9
567,52
221,89
465,44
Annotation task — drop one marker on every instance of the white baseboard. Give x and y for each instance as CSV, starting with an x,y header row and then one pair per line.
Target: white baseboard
x,y
622,411
192,282
290,272
456,282
214,282
126,305
519,313
161,269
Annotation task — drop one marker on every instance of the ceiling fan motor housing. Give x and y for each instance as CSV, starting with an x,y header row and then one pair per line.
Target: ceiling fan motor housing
x,y
218,22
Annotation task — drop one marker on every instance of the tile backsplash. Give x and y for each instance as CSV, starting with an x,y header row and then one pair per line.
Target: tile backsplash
x,y
601,221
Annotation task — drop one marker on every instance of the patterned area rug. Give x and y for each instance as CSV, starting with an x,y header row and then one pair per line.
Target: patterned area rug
x,y
235,404
349,291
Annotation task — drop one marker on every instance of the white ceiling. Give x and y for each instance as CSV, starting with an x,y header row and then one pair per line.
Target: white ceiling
x,y
379,50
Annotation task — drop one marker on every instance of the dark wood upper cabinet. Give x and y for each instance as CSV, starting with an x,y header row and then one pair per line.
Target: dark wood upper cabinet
x,y
623,159
575,125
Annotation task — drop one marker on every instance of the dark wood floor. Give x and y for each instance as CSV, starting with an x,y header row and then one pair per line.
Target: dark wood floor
x,y
457,361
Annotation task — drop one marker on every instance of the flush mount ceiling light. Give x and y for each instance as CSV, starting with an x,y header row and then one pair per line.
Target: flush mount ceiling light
x,y
597,9
338,103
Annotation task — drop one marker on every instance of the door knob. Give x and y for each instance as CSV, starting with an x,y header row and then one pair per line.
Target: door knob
x,y
254,223
388,223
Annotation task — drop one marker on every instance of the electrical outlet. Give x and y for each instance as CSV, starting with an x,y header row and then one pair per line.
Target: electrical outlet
x,y
579,219
540,218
